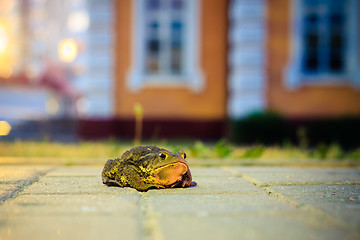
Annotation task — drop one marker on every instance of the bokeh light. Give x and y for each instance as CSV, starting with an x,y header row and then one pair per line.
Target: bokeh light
x,y
6,57
5,128
78,21
4,39
68,50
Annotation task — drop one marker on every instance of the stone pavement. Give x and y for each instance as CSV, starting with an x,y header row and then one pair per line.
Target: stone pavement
x,y
39,202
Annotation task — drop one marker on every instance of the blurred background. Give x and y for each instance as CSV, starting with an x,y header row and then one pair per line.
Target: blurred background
x,y
260,71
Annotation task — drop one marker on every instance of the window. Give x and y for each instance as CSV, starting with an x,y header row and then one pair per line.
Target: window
x,y
165,49
325,42
324,36
164,37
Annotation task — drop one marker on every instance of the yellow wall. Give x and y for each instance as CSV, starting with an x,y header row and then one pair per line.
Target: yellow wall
x,y
307,101
176,103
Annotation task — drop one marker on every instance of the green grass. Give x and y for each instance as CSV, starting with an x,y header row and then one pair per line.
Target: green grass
x,y
219,150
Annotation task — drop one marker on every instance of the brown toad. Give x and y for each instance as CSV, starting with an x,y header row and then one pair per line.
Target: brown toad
x,y
146,167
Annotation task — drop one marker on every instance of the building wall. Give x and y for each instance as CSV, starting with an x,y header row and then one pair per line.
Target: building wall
x,y
304,101
176,102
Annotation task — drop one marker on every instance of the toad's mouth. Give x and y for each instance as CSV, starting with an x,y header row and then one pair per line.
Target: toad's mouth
x,y
171,173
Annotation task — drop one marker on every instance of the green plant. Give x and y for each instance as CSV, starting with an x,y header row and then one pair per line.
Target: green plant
x,y
287,144
199,149
254,152
335,151
139,115
321,151
302,137
324,151
222,148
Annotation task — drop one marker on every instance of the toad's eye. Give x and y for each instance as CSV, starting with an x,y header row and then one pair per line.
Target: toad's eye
x,y
184,155
162,156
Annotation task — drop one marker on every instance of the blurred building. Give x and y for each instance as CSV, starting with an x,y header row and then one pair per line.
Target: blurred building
x,y
191,65
313,58
56,66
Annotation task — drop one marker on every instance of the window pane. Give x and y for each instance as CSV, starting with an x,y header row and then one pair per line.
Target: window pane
x,y
311,41
176,46
336,53
153,5
311,63
152,48
152,56
312,20
311,3
177,4
336,56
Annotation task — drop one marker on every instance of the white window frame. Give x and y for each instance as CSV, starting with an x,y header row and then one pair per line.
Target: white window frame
x,y
191,77
295,77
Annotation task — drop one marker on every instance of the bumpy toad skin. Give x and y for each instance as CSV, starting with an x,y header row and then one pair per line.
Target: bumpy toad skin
x,y
147,167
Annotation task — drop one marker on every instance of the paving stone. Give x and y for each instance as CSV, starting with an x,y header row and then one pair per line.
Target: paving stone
x,y
218,204
46,205
238,216
20,173
341,201
322,193
6,190
277,175
13,178
208,172
248,226
76,171
69,227
79,185
71,207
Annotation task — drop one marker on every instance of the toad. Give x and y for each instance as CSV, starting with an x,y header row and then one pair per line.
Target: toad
x,y
147,167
